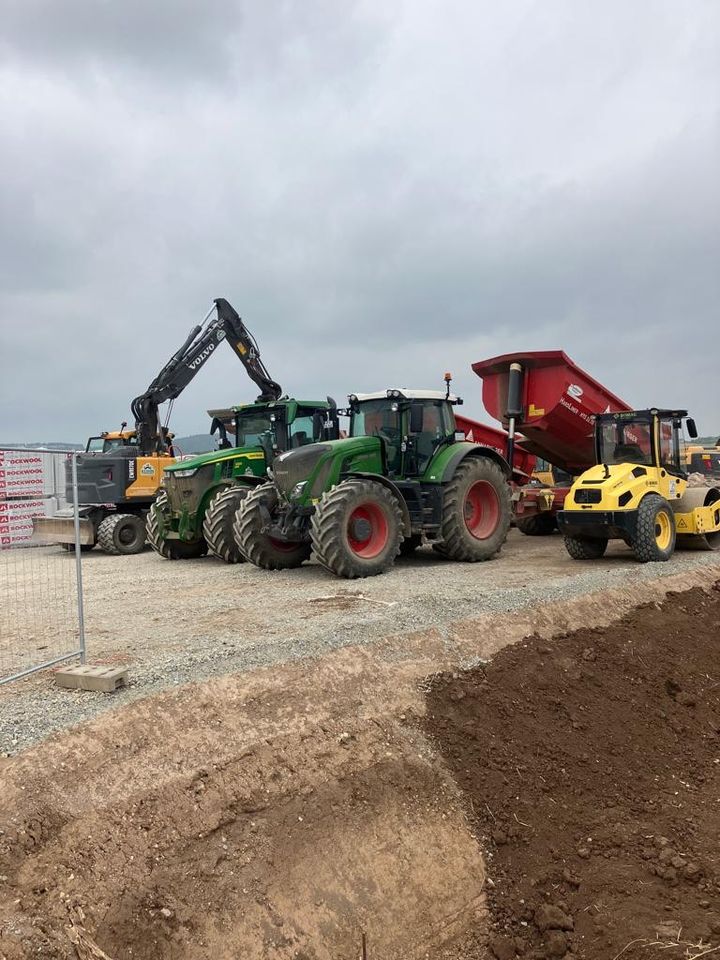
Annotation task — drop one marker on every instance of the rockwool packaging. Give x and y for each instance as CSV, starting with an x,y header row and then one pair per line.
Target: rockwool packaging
x,y
16,518
30,474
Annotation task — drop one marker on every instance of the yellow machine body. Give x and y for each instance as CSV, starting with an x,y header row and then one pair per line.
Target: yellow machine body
x,y
646,500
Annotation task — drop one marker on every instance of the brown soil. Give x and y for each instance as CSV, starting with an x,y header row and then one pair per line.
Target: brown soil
x,y
287,812
591,765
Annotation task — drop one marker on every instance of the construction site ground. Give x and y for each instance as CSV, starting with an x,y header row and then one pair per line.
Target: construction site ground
x,y
520,758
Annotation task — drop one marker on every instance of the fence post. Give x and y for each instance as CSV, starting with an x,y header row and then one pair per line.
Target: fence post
x,y
78,561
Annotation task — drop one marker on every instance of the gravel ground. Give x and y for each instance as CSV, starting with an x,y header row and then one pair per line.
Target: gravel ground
x,y
173,623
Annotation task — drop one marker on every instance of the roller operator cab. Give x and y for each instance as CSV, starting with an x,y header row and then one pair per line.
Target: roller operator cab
x,y
403,473
638,491
194,511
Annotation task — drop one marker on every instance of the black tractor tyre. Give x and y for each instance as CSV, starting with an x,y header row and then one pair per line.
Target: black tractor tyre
x,y
218,523
258,547
537,524
476,512
655,534
356,529
121,534
585,548
410,544
170,549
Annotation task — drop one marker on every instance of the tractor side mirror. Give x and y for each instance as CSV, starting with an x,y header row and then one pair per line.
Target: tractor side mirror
x,y
691,428
417,417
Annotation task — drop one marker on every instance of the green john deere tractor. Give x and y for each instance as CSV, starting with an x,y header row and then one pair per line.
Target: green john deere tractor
x,y
194,510
401,475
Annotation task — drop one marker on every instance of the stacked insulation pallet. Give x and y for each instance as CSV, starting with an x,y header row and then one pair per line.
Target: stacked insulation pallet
x,y
32,484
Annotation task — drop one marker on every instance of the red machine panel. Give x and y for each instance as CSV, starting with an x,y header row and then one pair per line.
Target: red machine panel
x,y
496,439
559,401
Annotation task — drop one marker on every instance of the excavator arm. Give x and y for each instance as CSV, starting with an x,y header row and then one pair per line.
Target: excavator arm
x,y
187,362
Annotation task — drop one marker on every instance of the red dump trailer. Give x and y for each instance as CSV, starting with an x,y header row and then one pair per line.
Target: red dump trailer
x,y
552,402
523,461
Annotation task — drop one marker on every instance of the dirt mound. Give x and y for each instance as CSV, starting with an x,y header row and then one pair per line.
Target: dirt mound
x,y
282,815
591,766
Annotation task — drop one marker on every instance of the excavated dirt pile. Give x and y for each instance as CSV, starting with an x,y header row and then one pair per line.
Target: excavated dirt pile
x,y
591,766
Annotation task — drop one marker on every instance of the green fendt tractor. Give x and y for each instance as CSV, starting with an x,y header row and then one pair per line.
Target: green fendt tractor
x,y
403,473
194,510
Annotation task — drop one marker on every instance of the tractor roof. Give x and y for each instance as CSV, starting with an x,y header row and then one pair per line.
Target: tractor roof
x,y
403,393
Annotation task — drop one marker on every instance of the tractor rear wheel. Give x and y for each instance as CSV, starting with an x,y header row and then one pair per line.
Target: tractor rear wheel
x,y
170,549
655,533
476,511
218,523
356,529
257,546
537,524
121,533
585,548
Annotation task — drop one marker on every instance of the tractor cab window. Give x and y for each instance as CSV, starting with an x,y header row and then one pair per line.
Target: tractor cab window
x,y
380,418
301,429
436,427
626,441
253,427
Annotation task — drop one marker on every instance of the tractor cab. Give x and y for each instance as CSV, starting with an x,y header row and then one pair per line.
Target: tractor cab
x,y
411,424
647,438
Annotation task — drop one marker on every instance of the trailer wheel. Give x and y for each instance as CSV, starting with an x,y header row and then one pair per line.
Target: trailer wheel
x,y
255,545
476,511
356,529
121,533
655,535
170,549
537,525
218,523
585,548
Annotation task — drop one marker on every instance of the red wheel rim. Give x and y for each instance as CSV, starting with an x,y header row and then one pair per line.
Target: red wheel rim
x,y
367,515
482,509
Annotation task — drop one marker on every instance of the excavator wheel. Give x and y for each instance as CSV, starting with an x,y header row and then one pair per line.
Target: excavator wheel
x,y
356,529
218,523
476,511
537,525
585,548
170,549
655,534
121,533
257,546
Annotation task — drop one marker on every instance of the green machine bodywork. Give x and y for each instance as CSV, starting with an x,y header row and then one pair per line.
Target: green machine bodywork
x,y
194,511
402,475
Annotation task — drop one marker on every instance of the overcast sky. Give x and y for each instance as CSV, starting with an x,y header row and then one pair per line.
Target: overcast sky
x,y
384,190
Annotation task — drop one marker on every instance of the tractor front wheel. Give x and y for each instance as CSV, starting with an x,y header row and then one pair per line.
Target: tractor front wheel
x,y
585,548
169,549
257,546
476,511
655,533
356,529
218,523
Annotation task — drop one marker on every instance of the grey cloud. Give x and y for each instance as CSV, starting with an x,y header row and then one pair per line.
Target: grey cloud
x,y
382,191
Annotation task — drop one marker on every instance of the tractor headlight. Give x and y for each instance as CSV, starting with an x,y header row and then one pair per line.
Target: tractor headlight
x,y
298,489
184,474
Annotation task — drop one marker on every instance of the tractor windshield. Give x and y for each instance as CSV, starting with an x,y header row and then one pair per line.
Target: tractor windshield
x,y
376,418
252,426
626,441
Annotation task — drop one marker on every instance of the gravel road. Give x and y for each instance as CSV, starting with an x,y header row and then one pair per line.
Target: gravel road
x,y
177,622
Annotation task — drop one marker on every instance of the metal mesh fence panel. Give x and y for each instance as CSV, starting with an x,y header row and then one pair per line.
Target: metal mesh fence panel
x,y
41,614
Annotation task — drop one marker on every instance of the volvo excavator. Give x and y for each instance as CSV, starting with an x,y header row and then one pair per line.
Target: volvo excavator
x,y
118,483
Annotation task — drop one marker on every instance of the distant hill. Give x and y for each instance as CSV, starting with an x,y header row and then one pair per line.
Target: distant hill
x,y
49,445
